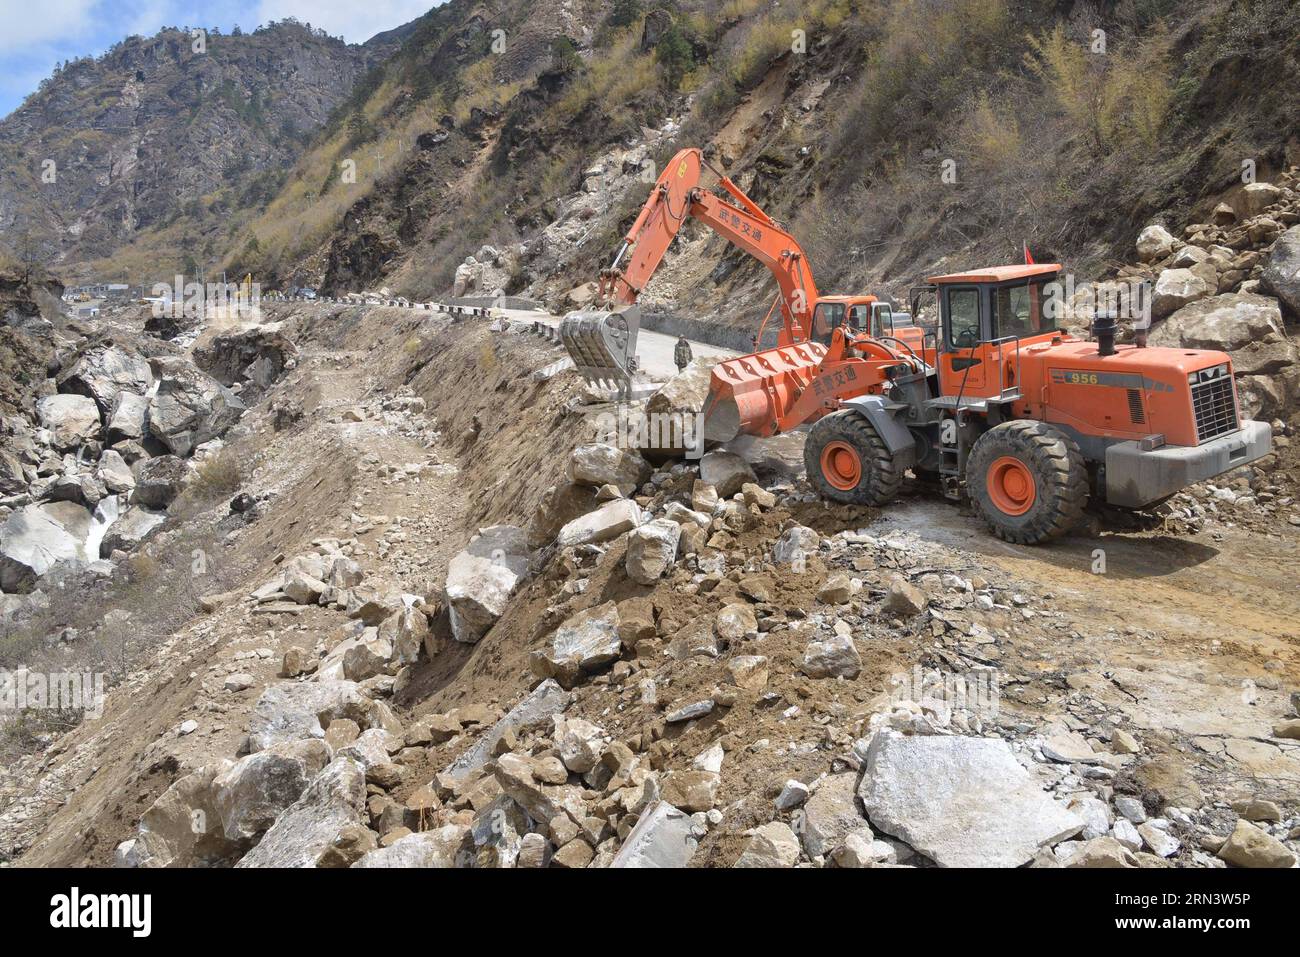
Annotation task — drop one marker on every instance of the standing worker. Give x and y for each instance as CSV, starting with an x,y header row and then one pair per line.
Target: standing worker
x,y
682,353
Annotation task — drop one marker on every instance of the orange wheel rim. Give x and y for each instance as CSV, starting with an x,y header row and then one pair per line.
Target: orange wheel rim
x,y
841,465
1011,486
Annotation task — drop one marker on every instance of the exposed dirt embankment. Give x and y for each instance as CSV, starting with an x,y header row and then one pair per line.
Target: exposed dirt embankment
x,y
322,455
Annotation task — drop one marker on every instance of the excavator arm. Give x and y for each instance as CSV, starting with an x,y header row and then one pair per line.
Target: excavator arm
x,y
676,196
602,341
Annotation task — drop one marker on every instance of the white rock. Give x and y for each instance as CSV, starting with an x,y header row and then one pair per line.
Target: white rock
x,y
307,829
652,550
792,795
584,643
829,815
1154,242
1161,842
607,522
664,836
73,420
482,577
832,657
962,802
726,472
771,845
443,847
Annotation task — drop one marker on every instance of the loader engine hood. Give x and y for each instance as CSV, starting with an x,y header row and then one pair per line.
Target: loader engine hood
x,y
1187,395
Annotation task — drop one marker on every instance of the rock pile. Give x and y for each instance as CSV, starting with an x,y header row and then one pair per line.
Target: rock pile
x,y
1232,284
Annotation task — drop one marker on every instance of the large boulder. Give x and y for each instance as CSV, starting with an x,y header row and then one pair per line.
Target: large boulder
x,y
34,538
651,550
254,356
251,793
1281,275
104,371
131,528
675,414
13,477
304,834
830,815
1246,326
607,522
560,505
190,408
407,631
771,845
583,644
1254,198
598,464
960,801
482,577
726,472
114,472
1176,288
834,656
293,711
1154,242
1251,846
444,847
183,827
126,418
664,836
158,481
72,420
539,705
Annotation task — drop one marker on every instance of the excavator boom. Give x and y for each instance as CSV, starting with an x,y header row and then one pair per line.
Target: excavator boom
x,y
602,340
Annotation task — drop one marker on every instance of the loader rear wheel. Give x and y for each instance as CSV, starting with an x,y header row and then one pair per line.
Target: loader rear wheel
x,y
1028,481
847,461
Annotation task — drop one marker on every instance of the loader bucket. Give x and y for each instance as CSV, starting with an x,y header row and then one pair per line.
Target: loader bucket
x,y
750,395
602,345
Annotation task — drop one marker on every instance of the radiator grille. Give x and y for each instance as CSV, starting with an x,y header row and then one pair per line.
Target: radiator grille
x,y
1135,413
1214,406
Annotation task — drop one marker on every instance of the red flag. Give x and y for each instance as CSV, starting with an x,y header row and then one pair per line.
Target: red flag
x,y
1029,260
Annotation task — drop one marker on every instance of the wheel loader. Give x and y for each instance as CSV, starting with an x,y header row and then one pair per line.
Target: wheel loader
x,y
997,405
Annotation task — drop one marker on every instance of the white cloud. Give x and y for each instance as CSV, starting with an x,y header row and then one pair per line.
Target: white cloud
x,y
49,22
355,20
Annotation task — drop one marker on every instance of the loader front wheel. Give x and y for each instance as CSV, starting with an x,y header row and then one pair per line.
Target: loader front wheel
x,y
1028,481
847,461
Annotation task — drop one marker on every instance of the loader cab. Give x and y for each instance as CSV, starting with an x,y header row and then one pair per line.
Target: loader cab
x,y
985,316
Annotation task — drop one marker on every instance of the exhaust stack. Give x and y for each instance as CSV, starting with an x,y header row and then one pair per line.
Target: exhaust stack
x,y
1104,325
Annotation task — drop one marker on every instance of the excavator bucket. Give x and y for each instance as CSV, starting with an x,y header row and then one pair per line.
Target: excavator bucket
x,y
602,345
750,395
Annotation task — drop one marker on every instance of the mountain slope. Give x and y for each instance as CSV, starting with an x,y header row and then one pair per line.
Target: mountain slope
x,y
135,162
892,134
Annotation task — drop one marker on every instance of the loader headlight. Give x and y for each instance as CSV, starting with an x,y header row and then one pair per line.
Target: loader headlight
x,y
1207,375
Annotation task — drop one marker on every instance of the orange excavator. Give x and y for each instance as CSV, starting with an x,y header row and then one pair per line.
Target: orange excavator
x,y
998,404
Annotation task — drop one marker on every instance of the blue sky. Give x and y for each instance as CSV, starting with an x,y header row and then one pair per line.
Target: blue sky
x,y
34,36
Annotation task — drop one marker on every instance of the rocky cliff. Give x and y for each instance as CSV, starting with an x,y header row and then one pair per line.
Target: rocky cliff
x,y
144,157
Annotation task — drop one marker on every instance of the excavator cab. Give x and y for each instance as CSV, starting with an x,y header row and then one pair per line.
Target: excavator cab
x,y
856,315
827,317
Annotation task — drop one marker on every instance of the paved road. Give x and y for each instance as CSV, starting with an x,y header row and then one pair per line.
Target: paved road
x,y
654,349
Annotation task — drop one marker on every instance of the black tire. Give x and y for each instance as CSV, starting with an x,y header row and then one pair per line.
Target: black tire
x,y
851,435
1060,481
